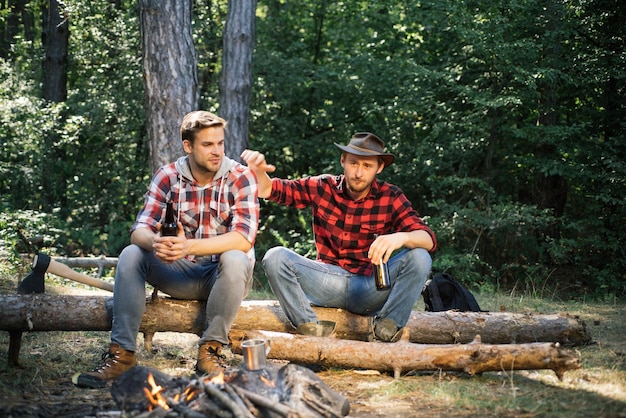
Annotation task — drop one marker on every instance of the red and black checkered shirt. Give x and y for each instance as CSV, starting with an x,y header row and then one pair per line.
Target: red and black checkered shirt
x,y
344,228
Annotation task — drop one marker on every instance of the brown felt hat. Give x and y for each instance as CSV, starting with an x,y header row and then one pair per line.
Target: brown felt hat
x,y
369,145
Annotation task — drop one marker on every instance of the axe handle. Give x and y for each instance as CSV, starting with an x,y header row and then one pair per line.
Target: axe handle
x,y
62,270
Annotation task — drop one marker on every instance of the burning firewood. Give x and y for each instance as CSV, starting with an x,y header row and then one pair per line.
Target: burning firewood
x,y
288,391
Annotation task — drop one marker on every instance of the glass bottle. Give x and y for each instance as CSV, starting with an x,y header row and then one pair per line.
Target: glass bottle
x,y
169,228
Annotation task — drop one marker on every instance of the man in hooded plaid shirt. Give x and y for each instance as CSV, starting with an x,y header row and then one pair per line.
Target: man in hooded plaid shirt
x,y
211,258
358,221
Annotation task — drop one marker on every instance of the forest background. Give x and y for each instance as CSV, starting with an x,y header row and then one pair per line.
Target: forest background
x,y
507,120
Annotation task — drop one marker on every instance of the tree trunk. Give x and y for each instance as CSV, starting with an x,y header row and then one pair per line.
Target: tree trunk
x,y
402,356
55,39
41,312
10,28
170,75
550,190
236,78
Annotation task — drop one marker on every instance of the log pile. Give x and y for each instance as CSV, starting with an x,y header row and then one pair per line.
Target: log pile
x,y
439,340
42,312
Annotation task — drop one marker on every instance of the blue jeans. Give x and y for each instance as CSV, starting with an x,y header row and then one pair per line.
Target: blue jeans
x,y
223,284
299,282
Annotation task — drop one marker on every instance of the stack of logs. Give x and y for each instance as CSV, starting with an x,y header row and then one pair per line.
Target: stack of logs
x,y
472,342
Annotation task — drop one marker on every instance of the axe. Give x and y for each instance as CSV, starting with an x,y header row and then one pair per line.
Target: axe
x,y
42,264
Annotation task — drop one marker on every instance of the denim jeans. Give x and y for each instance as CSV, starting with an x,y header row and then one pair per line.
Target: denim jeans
x,y
299,282
223,284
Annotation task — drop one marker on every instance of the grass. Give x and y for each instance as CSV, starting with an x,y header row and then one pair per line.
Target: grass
x,y
598,389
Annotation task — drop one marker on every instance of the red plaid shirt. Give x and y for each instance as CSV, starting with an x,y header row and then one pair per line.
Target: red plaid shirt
x,y
344,229
228,203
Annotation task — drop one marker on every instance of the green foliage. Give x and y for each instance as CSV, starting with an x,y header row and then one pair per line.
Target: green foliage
x,y
507,120
457,91
27,232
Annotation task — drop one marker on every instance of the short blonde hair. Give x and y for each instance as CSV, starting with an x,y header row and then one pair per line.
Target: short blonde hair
x,y
197,121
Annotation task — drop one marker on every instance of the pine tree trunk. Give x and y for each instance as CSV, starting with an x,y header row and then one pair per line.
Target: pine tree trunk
x,y
236,77
55,39
170,75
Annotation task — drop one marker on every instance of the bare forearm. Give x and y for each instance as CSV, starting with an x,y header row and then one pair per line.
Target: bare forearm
x,y
143,237
385,245
216,245
256,162
265,184
419,239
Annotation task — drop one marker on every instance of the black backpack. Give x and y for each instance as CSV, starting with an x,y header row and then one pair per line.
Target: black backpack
x,y
443,293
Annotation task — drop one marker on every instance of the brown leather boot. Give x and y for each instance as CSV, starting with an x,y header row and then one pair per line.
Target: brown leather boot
x,y
210,358
114,362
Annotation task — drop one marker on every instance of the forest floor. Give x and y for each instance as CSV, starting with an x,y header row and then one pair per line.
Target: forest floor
x,y
42,386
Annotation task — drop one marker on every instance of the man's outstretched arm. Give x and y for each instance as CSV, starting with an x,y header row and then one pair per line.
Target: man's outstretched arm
x,y
256,162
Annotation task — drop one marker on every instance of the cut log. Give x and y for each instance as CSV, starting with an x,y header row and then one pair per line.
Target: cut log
x,y
88,262
93,313
43,312
402,356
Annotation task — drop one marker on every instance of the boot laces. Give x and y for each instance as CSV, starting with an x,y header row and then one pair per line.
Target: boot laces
x,y
106,360
215,355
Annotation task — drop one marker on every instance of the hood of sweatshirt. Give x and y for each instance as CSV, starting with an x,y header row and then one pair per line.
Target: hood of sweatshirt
x,y
184,169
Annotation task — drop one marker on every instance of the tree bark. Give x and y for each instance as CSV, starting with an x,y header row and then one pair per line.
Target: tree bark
x,y
402,356
236,77
42,312
55,39
170,75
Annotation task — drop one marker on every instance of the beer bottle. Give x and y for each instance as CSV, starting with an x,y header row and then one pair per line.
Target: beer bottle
x,y
381,276
169,227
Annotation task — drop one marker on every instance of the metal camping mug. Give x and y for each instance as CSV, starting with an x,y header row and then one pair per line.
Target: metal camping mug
x,y
255,352
381,276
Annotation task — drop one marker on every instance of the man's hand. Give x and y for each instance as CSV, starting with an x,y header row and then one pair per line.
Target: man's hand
x,y
170,249
256,162
384,245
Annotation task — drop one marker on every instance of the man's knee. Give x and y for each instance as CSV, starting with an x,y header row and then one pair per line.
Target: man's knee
x,y
131,255
235,262
420,259
275,256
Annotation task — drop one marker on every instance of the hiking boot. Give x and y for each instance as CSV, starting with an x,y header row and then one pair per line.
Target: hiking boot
x,y
210,358
114,362
384,330
317,329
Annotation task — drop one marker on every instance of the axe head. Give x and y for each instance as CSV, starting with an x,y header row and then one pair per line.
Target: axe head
x,y
34,282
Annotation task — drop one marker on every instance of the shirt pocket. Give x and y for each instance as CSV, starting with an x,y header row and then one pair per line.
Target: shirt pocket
x,y
373,228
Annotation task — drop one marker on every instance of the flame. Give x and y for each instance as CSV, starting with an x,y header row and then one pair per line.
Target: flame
x,y
189,394
154,394
268,382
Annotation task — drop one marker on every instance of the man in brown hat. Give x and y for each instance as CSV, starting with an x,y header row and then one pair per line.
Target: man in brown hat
x,y
358,222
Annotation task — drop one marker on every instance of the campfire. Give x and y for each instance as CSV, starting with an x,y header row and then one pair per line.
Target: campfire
x,y
288,391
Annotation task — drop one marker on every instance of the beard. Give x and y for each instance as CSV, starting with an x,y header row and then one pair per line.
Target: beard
x,y
357,187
